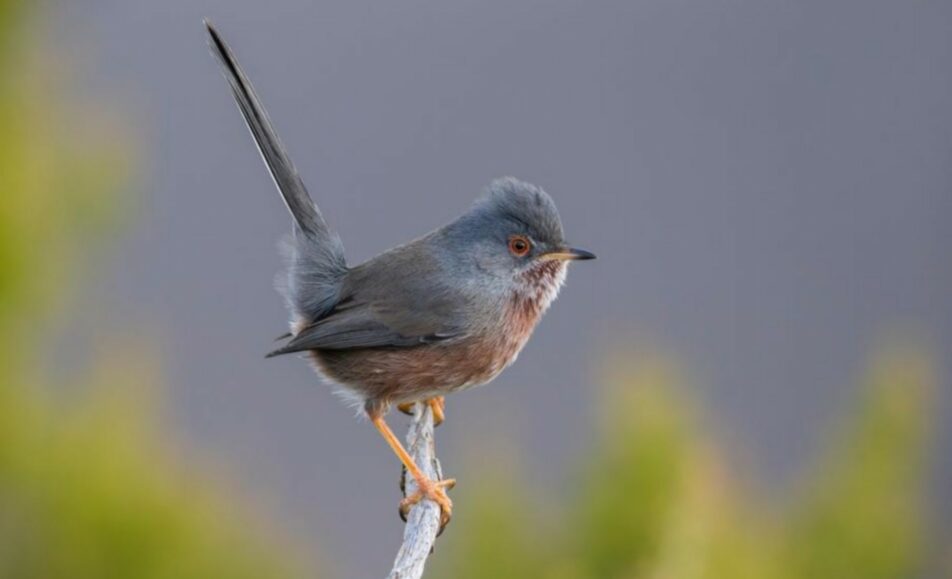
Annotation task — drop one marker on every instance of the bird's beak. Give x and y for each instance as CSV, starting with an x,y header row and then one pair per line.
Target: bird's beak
x,y
567,254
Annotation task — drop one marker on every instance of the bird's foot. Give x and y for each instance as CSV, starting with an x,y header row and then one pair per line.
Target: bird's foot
x,y
434,491
437,405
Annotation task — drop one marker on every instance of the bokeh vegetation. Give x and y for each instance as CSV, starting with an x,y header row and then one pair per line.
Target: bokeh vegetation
x,y
87,488
657,499
90,489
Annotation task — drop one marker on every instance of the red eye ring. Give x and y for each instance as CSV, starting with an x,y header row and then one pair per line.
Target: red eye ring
x,y
519,245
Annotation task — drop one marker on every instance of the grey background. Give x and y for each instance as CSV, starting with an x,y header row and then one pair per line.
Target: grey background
x,y
767,185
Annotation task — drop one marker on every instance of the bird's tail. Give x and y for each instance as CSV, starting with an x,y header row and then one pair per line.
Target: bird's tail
x,y
306,215
317,257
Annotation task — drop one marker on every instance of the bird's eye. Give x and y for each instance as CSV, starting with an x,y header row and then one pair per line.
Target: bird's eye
x,y
519,245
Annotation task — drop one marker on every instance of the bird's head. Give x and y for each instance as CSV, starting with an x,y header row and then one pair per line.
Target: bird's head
x,y
513,234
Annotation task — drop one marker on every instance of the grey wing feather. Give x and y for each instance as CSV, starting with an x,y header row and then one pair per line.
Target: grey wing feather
x,y
394,300
342,332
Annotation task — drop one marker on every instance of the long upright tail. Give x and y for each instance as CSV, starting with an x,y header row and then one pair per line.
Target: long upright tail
x,y
306,214
316,265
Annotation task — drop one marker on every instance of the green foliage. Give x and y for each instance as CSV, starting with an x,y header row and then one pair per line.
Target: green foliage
x,y
863,514
617,534
92,493
86,490
657,500
60,169
502,547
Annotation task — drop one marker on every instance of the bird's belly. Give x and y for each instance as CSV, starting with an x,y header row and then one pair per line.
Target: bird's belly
x,y
396,375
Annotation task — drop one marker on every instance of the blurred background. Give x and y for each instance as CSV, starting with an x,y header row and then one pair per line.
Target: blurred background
x,y
751,381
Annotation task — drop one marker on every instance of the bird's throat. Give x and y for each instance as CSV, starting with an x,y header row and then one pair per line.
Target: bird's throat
x,y
538,287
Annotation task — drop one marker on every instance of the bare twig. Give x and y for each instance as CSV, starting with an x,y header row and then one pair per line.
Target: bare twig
x,y
423,522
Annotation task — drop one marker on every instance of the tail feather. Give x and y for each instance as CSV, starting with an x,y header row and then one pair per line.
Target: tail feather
x,y
316,264
306,215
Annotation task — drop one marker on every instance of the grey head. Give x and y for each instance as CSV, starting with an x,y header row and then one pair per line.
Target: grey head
x,y
512,232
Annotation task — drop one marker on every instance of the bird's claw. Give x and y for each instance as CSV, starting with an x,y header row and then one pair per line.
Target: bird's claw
x,y
434,491
437,405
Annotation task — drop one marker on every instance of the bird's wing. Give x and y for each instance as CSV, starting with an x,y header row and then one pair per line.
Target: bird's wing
x,y
396,300
357,329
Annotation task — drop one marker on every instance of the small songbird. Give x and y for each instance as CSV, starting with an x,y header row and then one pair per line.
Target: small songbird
x,y
440,314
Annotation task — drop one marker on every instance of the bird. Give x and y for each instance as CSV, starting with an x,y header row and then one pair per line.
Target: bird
x,y
442,313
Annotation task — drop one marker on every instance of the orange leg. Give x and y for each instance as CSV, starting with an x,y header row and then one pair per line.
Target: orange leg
x,y
427,487
437,406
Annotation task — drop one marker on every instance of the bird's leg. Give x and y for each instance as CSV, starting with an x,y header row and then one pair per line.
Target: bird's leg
x,y
437,405
426,487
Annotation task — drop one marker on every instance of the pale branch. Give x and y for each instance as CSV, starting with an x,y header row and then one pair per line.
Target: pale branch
x,y
423,521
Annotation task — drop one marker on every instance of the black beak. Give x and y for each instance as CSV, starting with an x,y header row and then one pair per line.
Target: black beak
x,y
569,254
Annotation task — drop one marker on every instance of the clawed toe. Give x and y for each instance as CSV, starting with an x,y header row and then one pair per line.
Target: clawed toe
x,y
434,491
426,487
437,405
